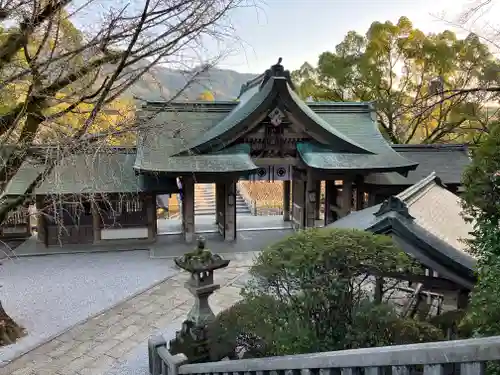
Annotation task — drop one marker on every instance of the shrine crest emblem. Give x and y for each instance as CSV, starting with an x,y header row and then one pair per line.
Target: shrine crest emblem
x,y
276,117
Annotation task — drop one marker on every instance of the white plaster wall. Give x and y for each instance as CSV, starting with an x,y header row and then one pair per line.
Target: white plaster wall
x,y
124,233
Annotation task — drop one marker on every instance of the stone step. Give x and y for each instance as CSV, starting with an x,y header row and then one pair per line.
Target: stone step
x,y
212,212
199,200
213,200
212,208
205,200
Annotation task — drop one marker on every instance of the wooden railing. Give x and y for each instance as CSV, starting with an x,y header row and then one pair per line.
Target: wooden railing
x,y
463,357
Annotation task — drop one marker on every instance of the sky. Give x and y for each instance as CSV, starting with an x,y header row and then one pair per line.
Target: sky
x,y
299,30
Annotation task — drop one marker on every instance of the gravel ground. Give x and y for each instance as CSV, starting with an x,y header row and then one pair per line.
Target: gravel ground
x,y
49,294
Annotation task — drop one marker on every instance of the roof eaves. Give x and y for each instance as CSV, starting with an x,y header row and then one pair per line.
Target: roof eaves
x,y
430,147
189,106
340,107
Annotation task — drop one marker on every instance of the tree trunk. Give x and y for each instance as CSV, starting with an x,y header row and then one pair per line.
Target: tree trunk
x,y
10,331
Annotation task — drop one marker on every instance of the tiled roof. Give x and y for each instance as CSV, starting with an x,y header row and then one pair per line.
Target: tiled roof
x,y
438,211
447,161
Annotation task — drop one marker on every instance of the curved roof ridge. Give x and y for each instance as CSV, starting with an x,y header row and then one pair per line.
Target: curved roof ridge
x,y
250,84
241,111
275,85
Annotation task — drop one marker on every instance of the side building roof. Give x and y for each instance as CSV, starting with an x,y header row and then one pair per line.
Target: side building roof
x,y
104,171
426,221
447,160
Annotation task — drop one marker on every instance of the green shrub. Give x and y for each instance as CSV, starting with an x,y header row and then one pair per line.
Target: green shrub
x,y
263,331
308,294
379,325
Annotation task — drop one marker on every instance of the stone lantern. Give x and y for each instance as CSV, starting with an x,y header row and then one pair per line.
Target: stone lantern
x,y
192,339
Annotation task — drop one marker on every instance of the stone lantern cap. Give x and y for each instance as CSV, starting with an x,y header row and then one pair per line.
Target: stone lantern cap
x,y
201,260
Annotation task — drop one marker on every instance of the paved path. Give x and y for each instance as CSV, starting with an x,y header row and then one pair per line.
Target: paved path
x,y
251,241
244,222
97,345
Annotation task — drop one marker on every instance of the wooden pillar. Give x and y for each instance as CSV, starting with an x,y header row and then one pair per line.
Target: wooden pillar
x,y
331,207
217,203
41,221
152,223
310,203
96,221
220,207
462,299
346,197
371,199
298,200
188,209
318,199
230,211
360,193
286,200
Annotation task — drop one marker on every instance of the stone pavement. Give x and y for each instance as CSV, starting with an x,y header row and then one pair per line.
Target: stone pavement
x,y
93,347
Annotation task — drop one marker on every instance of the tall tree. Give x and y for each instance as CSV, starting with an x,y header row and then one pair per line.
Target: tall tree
x,y
481,201
51,72
476,19
393,65
482,205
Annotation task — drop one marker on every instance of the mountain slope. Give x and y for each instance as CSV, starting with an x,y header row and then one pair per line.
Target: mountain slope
x,y
163,83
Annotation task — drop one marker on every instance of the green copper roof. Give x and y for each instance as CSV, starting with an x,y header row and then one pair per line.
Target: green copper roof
x,y
358,124
256,102
344,135
102,172
338,132
233,159
249,104
166,131
321,157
